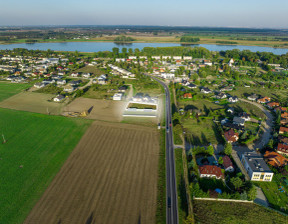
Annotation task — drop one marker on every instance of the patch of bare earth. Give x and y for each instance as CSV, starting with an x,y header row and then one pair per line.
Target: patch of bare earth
x,y
33,102
110,177
107,110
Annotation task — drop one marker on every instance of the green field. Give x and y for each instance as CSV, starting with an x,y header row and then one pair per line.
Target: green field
x,y
36,148
215,212
182,201
9,89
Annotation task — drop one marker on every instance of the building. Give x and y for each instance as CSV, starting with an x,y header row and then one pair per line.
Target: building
x,y
282,148
253,97
256,167
118,96
211,171
231,136
227,163
275,159
221,96
283,130
264,100
59,98
233,99
238,121
271,105
245,116
187,96
206,90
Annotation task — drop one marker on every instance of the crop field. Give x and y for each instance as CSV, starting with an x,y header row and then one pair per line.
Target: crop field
x,y
91,69
110,177
33,102
36,148
215,212
9,89
106,110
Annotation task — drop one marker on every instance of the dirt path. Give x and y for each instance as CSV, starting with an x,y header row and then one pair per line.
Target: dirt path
x,y
110,177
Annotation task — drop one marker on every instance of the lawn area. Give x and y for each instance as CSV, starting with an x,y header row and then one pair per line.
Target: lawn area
x,y
141,106
36,148
202,132
91,69
215,212
182,201
199,105
9,89
251,109
276,198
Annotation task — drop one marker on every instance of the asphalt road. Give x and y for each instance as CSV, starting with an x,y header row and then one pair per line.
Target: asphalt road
x,y
171,186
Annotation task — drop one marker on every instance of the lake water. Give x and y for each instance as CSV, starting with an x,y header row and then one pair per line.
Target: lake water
x,y
107,46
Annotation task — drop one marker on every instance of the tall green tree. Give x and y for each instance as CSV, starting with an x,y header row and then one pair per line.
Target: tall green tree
x,y
228,149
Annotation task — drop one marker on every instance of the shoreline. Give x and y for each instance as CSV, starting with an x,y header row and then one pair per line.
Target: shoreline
x,y
167,42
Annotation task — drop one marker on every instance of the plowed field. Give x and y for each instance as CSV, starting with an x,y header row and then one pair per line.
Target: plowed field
x,y
110,177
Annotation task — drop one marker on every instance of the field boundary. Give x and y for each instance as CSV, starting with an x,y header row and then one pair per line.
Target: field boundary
x,y
221,199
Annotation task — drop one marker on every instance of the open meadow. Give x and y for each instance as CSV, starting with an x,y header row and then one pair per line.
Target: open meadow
x,y
215,212
8,89
36,148
110,177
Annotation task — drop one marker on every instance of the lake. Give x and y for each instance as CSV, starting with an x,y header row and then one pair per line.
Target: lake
x,y
107,46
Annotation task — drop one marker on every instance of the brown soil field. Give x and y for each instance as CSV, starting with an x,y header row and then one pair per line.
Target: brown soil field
x,y
110,177
33,102
106,110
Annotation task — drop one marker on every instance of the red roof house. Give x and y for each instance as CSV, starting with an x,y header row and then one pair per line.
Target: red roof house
x,y
231,136
281,148
211,171
227,163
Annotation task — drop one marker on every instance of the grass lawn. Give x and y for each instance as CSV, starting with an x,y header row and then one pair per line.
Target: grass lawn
x,y
250,109
199,105
91,69
9,89
201,133
276,198
36,148
215,212
182,201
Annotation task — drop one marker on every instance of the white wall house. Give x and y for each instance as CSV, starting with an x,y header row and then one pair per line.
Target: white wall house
x,y
118,96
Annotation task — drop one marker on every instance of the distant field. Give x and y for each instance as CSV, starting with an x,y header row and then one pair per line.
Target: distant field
x,y
37,146
9,89
91,69
110,177
211,212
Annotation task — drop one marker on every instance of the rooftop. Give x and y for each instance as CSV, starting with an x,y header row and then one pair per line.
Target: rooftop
x,y
256,162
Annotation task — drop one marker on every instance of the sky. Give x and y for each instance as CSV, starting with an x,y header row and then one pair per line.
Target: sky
x,y
211,13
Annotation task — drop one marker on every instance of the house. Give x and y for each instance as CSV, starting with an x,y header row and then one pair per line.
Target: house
x,y
227,163
59,98
275,159
185,83
253,97
264,100
283,130
283,139
69,89
230,110
86,75
233,126
187,96
168,75
211,171
206,90
282,148
231,136
231,62
271,105
191,86
118,96
284,115
245,116
221,96
256,167
75,82
284,121
39,85
226,89
102,79
122,89
75,74
233,99
207,62
238,121
281,109
61,82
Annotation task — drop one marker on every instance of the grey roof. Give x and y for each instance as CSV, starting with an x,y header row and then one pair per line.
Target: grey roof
x,y
256,162
238,120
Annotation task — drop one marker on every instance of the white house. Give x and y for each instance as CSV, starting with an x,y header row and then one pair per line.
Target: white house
x,y
168,75
120,59
86,75
233,99
187,58
132,57
59,98
256,167
61,82
231,62
118,96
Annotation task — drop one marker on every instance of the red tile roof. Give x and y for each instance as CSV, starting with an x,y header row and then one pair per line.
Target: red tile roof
x,y
282,148
211,170
227,162
275,159
283,129
231,136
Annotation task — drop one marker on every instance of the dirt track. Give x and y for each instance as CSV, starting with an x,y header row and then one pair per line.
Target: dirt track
x,y
110,177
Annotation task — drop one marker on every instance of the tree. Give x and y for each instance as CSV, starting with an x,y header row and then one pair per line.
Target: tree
x,y
236,182
220,160
270,144
210,150
252,193
228,149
